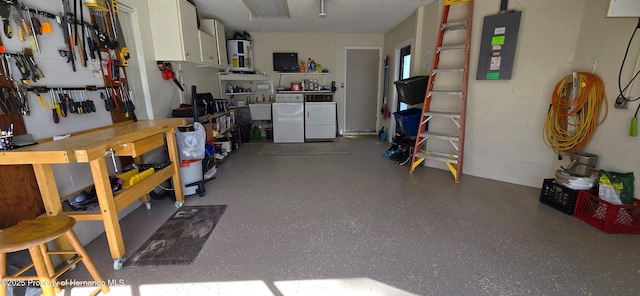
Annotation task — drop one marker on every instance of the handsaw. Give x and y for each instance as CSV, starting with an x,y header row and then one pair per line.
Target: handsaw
x,y
124,51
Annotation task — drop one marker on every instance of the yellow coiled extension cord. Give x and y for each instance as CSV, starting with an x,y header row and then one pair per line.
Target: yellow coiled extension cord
x,y
573,116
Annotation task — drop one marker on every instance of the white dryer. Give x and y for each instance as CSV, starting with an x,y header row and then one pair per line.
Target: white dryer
x,y
288,118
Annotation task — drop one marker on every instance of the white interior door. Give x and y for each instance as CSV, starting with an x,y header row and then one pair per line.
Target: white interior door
x,y
363,68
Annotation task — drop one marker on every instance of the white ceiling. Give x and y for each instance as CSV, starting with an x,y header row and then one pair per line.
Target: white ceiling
x,y
344,16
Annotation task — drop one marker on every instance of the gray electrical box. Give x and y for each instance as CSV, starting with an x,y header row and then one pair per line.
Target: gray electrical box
x,y
498,46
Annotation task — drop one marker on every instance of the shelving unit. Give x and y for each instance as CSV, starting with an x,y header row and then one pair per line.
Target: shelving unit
x,y
223,122
258,84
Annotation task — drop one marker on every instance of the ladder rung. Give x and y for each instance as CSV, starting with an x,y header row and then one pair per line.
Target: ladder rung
x,y
444,157
440,136
446,92
443,114
455,25
448,70
449,47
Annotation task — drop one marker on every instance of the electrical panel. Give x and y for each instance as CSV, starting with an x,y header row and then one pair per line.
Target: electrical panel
x,y
498,46
623,8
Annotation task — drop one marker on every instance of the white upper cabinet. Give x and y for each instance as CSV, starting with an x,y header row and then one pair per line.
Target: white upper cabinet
x,y
222,44
175,31
208,51
216,29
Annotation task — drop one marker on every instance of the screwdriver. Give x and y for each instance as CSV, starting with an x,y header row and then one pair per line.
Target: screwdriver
x,y
106,103
56,107
62,104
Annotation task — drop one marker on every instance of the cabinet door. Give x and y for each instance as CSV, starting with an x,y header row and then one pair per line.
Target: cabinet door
x,y
208,53
175,31
320,113
189,25
221,44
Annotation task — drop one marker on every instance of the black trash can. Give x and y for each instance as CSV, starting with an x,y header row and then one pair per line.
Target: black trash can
x,y
269,131
245,133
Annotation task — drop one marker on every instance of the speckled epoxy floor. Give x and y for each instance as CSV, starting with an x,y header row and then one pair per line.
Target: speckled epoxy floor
x,y
359,224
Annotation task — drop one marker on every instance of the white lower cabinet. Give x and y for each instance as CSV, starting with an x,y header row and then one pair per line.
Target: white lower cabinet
x,y
320,120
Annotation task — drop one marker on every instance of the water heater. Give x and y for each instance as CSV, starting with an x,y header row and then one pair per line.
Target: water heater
x,y
240,53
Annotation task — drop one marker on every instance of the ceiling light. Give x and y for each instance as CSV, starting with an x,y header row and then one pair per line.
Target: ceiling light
x,y
322,13
268,8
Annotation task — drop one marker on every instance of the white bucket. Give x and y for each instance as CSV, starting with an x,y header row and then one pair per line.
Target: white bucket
x,y
189,174
226,146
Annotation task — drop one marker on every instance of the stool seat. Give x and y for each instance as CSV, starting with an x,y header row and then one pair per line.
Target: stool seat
x,y
34,232
33,235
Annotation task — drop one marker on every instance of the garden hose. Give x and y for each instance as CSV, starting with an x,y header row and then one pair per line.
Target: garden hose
x,y
575,109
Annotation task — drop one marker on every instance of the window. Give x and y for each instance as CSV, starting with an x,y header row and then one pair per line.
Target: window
x,y
404,67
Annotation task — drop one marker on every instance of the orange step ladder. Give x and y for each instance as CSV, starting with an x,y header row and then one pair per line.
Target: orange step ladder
x,y
440,132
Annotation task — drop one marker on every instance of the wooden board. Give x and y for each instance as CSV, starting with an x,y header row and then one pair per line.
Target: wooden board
x,y
19,195
86,147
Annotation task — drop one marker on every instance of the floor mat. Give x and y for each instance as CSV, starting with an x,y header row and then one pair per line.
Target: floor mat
x,y
179,240
320,148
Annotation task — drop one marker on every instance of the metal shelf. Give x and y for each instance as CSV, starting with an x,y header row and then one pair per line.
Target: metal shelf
x,y
323,74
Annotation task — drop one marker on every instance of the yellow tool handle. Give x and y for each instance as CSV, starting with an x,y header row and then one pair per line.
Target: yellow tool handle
x,y
21,34
56,105
43,103
25,26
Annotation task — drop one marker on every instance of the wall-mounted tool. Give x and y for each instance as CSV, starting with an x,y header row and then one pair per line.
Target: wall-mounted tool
x,y
43,103
56,107
20,95
5,13
131,106
107,103
36,72
31,31
36,24
19,90
63,20
115,22
168,73
113,68
6,107
24,71
18,20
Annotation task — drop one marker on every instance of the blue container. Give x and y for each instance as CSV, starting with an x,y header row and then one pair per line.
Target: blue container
x,y
408,120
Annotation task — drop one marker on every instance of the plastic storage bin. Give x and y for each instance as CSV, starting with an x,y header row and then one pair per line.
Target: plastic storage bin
x,y
558,196
408,120
606,216
190,172
412,90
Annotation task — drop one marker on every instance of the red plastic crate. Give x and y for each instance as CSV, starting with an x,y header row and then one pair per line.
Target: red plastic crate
x,y
608,217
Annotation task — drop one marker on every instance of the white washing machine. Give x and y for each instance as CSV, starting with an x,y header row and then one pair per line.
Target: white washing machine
x,y
288,118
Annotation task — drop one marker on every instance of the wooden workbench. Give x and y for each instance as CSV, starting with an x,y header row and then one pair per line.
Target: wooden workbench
x,y
124,139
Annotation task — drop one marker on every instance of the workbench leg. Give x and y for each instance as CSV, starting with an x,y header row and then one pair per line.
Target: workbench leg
x,y
51,199
107,207
175,160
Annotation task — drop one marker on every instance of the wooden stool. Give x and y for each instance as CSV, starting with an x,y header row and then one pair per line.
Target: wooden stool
x,y
34,235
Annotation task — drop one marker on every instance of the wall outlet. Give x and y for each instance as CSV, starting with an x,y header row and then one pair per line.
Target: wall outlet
x,y
621,103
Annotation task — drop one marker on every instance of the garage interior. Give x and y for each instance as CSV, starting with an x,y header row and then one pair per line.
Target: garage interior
x,y
357,223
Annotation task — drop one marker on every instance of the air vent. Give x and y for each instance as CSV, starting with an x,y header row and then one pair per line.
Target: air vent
x,y
268,8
